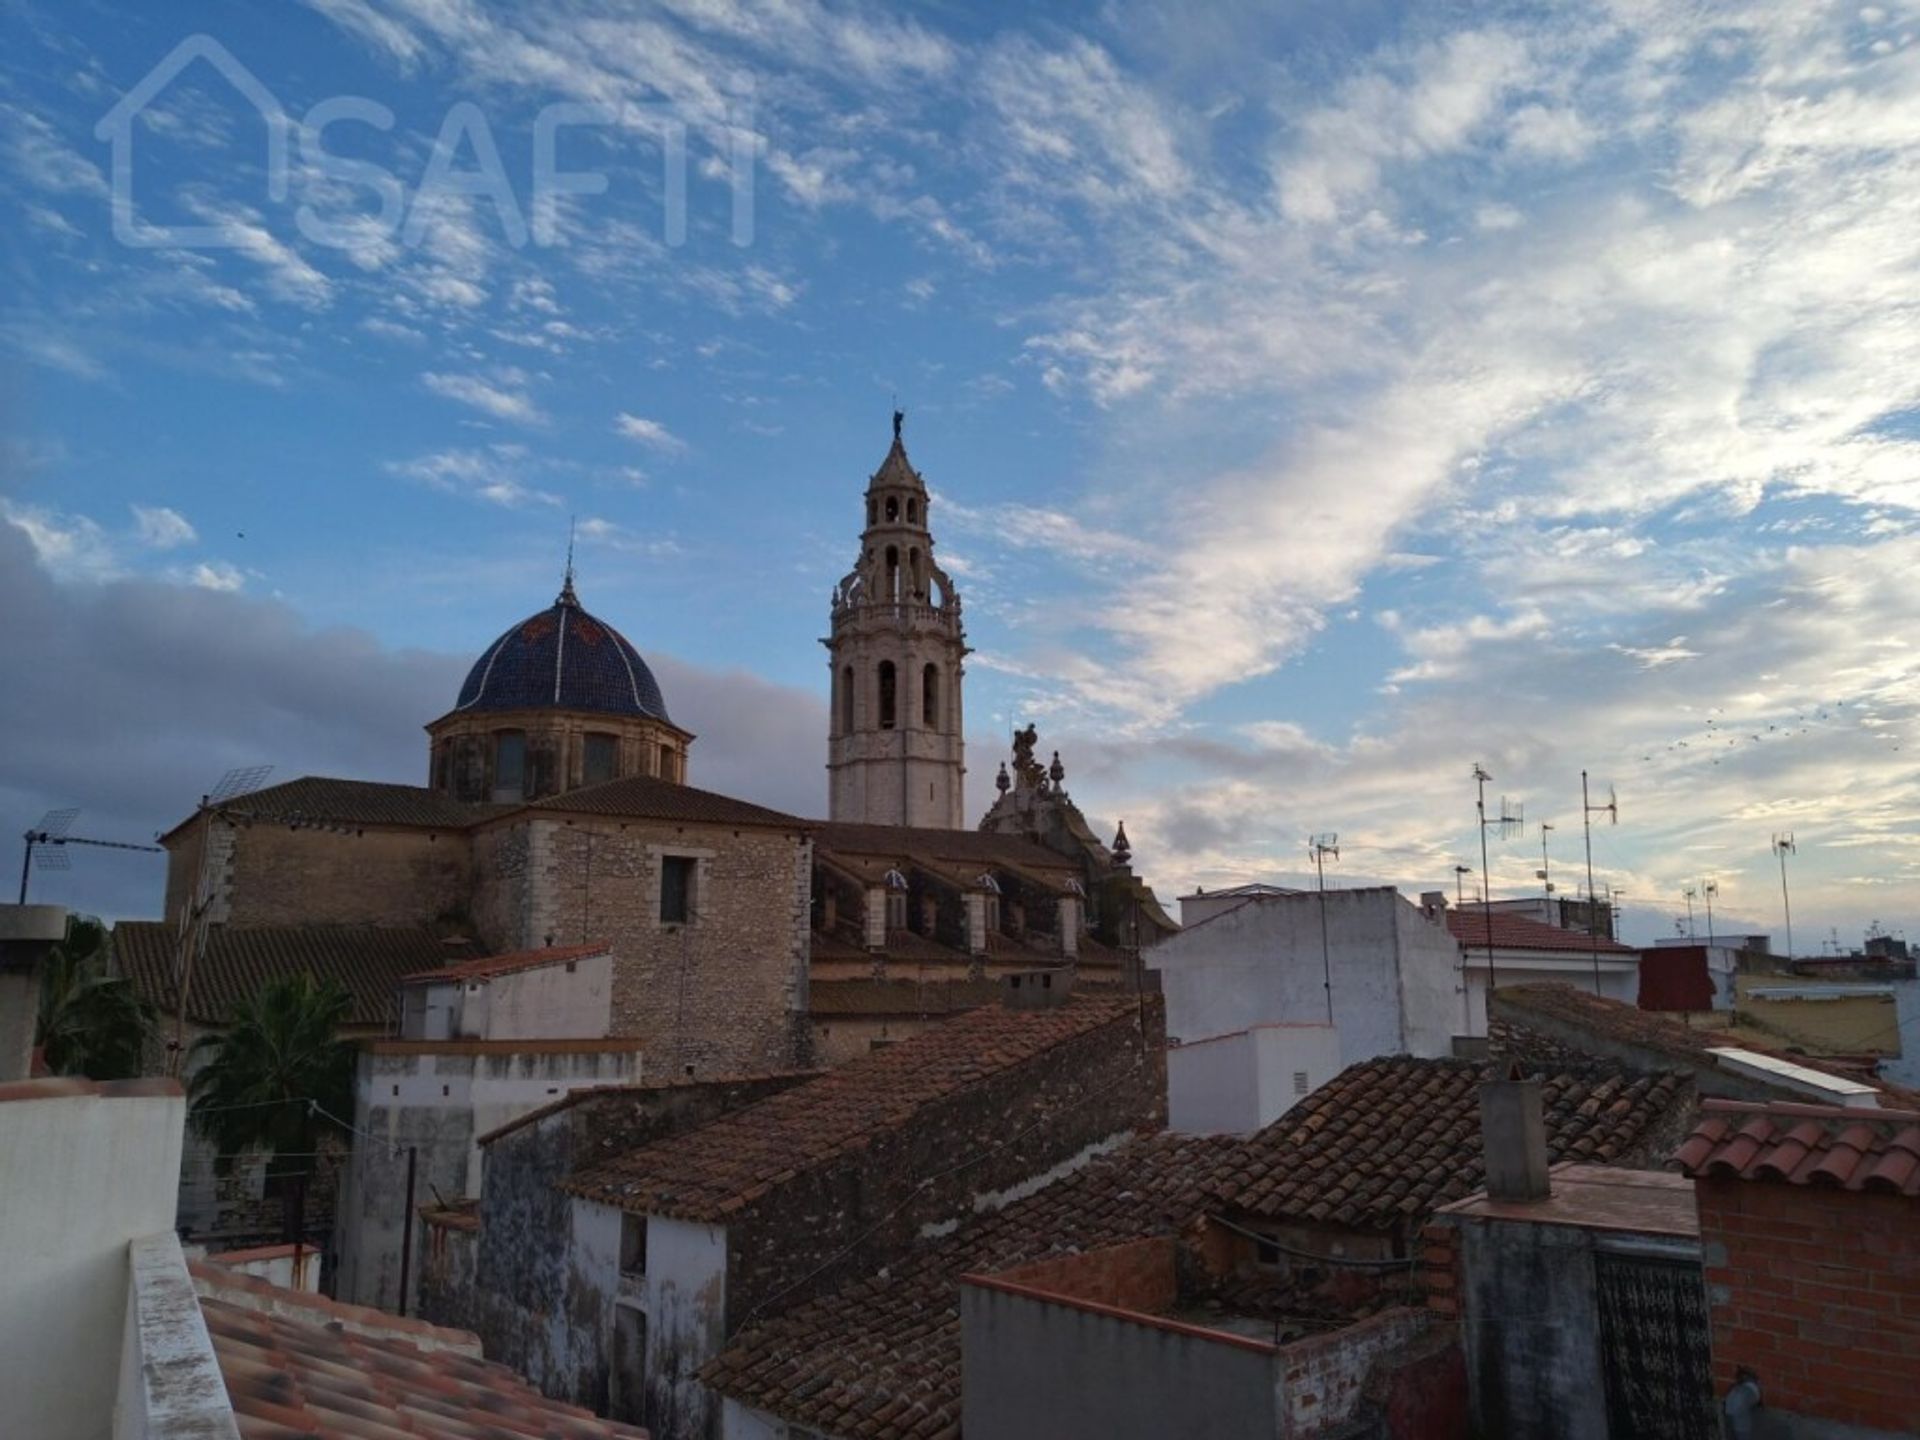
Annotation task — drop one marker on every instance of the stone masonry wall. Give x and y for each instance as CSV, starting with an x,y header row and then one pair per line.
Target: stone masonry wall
x,y
723,993
370,877
854,1214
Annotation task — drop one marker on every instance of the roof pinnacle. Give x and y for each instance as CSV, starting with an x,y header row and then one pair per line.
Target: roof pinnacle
x,y
567,597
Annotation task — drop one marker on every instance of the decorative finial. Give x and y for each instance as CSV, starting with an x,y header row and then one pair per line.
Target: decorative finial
x,y
1001,781
1056,770
899,419
567,597
1122,851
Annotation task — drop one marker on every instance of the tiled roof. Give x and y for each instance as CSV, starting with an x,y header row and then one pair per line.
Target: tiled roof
x,y
1806,1145
323,800
960,847
899,997
879,1359
488,966
1615,1022
370,961
300,1367
1387,1141
562,658
66,1087
708,1173
647,798
1517,932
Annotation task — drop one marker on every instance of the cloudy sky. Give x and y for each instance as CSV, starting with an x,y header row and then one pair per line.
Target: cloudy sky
x,y
1318,400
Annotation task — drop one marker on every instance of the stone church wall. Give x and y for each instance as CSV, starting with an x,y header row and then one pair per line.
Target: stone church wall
x,y
282,876
725,992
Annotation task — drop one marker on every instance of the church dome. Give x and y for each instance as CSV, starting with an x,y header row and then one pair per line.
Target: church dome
x,y
563,659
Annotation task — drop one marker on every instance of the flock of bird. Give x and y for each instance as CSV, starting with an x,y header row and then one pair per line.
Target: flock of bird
x,y
1721,735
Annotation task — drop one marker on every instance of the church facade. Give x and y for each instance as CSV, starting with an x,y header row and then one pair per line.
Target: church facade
x,y
558,812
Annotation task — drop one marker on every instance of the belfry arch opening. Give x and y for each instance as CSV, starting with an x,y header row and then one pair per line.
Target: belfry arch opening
x,y
930,697
889,698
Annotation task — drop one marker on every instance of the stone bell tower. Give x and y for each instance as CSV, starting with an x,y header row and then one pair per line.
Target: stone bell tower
x,y
894,750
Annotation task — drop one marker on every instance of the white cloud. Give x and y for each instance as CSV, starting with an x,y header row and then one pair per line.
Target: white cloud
x,y
502,395
496,474
69,547
216,575
647,432
158,527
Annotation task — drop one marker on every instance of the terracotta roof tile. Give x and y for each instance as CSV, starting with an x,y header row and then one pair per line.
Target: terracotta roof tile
x,y
487,966
1383,1145
709,1172
370,961
324,800
1805,1145
299,1365
970,848
646,798
1517,932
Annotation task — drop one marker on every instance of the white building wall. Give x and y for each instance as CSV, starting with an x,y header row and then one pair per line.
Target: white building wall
x,y
685,1297
552,1002
1261,963
1619,977
83,1175
743,1422
1236,1084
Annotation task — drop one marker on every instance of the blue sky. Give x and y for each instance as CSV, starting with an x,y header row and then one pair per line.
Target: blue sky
x,y
1317,399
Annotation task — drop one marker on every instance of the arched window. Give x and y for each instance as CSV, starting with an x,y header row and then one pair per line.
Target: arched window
x,y
893,508
913,512
600,758
893,575
913,574
887,699
873,512
846,700
509,765
930,697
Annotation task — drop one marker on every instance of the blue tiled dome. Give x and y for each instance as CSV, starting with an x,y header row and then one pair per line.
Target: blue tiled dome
x,y
563,659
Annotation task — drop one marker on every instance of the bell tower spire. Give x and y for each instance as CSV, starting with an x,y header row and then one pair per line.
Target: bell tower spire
x,y
895,753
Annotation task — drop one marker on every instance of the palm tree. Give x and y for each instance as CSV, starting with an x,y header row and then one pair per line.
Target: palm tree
x,y
278,1079
91,1022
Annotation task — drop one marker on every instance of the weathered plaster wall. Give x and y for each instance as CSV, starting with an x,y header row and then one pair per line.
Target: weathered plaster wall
x,y
685,1301
572,1000
437,1103
1236,1084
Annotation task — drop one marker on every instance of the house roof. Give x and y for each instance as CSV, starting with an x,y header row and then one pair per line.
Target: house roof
x,y
853,998
1389,1140
879,1359
369,960
1517,932
488,966
643,797
1613,1023
709,1173
302,1367
1806,1145
953,847
320,800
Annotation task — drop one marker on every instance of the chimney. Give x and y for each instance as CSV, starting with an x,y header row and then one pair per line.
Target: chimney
x,y
1037,989
1434,902
1514,1135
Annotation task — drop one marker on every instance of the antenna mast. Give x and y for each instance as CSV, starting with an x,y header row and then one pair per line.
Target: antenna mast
x,y
1783,846
1709,889
47,842
1688,892
1587,811
1545,873
1508,820
1320,847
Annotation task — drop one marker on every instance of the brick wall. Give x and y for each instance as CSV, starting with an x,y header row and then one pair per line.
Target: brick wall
x,y
855,1213
1817,1291
724,993
319,877
1438,1275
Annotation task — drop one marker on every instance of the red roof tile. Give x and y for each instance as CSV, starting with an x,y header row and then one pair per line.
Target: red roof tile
x,y
1806,1145
488,966
704,1174
1517,932
301,1367
647,798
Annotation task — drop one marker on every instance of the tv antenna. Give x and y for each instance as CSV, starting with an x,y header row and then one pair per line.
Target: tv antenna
x,y
1783,846
1507,822
1320,847
1587,811
1545,873
47,842
1709,889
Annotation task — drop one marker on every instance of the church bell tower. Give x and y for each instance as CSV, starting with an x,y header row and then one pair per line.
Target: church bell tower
x,y
895,755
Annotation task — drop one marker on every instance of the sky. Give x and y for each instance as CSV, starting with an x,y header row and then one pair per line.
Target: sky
x,y
1317,401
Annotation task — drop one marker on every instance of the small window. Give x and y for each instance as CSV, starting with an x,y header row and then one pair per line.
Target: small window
x,y
846,700
888,699
667,768
1266,1252
872,511
896,910
993,914
509,765
1300,1086
601,761
633,1244
913,512
676,889
930,697
893,508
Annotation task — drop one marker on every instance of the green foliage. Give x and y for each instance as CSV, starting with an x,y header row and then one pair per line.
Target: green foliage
x,y
91,1022
274,1080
